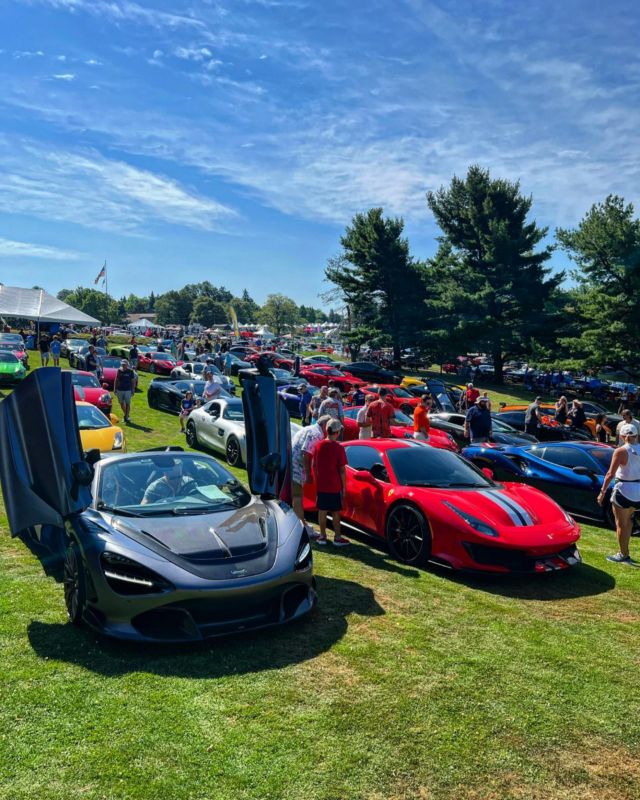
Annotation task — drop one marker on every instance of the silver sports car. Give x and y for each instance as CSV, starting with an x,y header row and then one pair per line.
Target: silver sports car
x,y
219,426
161,545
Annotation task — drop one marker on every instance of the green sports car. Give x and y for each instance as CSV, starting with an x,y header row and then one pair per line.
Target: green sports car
x,y
11,369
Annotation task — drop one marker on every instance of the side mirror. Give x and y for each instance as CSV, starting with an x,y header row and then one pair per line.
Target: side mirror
x,y
379,472
105,386
488,472
582,471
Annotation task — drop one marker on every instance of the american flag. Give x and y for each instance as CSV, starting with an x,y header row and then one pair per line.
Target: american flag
x,y
102,274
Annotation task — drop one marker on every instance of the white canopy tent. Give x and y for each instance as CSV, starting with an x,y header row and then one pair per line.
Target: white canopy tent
x,y
40,306
265,333
143,325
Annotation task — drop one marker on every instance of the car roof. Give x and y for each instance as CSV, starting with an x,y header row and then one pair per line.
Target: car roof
x,y
384,444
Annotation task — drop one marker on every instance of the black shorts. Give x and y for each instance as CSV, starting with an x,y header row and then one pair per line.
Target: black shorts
x,y
618,499
329,501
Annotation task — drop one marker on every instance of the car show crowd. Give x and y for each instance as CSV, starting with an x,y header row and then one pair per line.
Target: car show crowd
x,y
339,402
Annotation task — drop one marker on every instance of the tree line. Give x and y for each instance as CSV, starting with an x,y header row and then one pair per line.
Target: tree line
x,y
488,288
202,303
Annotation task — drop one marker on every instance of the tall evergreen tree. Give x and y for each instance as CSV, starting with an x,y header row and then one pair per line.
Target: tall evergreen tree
x,y
606,248
492,283
378,280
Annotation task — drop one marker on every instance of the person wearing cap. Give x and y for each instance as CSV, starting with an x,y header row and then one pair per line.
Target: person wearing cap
x,y
380,414
172,484
625,497
302,446
332,406
329,461
477,423
364,424
124,386
305,400
627,419
421,424
532,417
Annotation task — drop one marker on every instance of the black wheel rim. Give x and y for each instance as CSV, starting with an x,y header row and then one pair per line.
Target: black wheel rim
x,y
191,435
233,452
405,531
71,582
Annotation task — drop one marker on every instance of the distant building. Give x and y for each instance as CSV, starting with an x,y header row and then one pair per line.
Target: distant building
x,y
137,317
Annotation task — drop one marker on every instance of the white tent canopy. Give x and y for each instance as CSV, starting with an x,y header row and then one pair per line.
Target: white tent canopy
x,y
142,324
38,305
265,333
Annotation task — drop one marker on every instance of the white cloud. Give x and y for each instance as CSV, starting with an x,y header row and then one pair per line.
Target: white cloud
x,y
12,249
95,192
124,11
67,76
197,54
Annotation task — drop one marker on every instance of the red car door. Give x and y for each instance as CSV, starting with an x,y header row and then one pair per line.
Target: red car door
x,y
365,498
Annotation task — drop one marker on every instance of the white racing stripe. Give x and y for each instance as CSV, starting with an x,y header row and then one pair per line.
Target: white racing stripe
x,y
519,515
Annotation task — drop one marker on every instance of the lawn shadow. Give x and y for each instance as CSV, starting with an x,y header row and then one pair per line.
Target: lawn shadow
x,y
580,581
137,427
233,655
371,552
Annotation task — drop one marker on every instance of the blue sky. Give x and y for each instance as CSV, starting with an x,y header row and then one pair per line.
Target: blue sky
x,y
232,141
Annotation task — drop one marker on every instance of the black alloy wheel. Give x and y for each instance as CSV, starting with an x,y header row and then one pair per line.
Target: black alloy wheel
x,y
153,400
234,454
408,535
192,436
74,583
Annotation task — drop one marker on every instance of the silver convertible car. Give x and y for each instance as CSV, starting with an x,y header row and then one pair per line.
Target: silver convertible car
x,y
219,426
162,545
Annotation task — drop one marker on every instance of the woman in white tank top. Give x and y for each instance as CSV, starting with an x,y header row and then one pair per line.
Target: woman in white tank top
x,y
625,497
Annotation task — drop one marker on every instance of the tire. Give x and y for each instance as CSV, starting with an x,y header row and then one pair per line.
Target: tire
x,y
153,401
233,452
192,436
408,535
152,368
609,518
75,583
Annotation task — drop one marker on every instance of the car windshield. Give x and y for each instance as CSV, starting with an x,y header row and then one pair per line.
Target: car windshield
x,y
234,412
498,425
603,456
91,419
111,363
86,381
8,358
76,342
400,392
163,357
428,466
10,337
99,351
186,386
12,347
164,484
402,419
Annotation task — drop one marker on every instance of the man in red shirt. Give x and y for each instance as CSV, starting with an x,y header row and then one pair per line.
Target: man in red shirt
x,y
421,423
472,395
329,460
380,414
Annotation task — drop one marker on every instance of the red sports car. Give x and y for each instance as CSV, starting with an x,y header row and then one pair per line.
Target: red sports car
x,y
275,359
400,397
88,387
321,375
433,505
401,428
157,363
110,365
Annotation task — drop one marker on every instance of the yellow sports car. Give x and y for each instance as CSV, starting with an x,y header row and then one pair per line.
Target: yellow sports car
x,y
98,431
408,382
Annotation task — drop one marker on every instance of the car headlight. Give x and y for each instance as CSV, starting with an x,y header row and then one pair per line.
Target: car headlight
x,y
304,556
478,525
569,518
105,398
118,440
127,577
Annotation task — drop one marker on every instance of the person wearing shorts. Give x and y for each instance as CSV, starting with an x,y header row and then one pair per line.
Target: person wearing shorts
x,y
44,349
421,423
303,445
625,497
186,407
329,461
55,348
123,386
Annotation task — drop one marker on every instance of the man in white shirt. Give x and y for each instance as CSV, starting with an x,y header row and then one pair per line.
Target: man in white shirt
x,y
212,387
364,424
627,419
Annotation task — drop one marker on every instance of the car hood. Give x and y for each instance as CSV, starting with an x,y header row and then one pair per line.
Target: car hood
x,y
510,507
11,368
239,533
92,394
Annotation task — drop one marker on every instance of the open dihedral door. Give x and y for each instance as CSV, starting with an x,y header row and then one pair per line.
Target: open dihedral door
x,y
268,434
43,474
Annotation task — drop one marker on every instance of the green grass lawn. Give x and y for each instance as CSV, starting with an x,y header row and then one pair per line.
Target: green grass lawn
x,y
403,684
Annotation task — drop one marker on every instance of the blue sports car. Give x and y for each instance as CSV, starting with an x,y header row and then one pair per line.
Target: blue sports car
x,y
569,472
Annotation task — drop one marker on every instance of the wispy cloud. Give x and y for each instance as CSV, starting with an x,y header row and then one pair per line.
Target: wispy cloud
x,y
66,76
95,192
12,249
124,11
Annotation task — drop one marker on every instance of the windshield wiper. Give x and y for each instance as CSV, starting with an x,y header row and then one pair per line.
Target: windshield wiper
x,y
462,484
427,483
122,512
184,511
